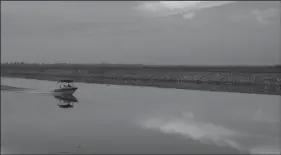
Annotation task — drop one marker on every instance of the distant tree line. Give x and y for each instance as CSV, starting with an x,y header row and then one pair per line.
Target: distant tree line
x,y
35,65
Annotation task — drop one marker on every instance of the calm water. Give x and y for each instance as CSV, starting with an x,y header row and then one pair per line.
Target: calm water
x,y
125,119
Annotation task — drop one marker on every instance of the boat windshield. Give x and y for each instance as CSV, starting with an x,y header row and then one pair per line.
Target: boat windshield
x,y
65,85
65,81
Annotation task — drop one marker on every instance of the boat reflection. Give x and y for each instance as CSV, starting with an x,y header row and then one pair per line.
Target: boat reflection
x,y
66,101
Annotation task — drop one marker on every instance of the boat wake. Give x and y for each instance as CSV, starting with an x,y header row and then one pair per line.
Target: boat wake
x,y
23,90
38,92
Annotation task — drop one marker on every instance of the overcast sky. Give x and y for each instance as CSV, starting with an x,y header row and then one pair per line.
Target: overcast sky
x,y
183,32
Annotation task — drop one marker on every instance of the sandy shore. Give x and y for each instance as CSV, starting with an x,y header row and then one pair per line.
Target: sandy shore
x,y
256,80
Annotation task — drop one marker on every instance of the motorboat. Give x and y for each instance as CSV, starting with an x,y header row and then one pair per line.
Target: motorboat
x,y
66,101
66,87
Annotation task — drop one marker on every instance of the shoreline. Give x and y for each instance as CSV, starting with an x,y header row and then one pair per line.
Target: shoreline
x,y
251,80
256,89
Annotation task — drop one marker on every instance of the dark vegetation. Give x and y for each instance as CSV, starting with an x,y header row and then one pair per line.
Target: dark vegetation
x,y
262,79
257,69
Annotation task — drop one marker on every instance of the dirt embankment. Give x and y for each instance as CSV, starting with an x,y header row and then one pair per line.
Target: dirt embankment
x,y
260,80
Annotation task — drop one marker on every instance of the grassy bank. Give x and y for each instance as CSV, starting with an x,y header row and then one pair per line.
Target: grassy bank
x,y
244,79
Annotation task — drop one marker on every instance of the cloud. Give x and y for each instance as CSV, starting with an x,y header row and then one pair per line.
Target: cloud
x,y
265,150
266,16
166,8
188,15
189,126
197,130
263,17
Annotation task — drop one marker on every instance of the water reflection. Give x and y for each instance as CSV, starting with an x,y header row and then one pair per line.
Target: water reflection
x,y
66,101
191,127
142,120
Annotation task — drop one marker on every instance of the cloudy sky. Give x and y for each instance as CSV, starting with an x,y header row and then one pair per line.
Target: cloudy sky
x,y
167,32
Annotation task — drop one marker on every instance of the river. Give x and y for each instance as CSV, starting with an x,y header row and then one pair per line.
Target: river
x,y
128,119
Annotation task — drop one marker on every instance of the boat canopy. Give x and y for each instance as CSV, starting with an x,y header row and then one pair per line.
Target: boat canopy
x,y
66,81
